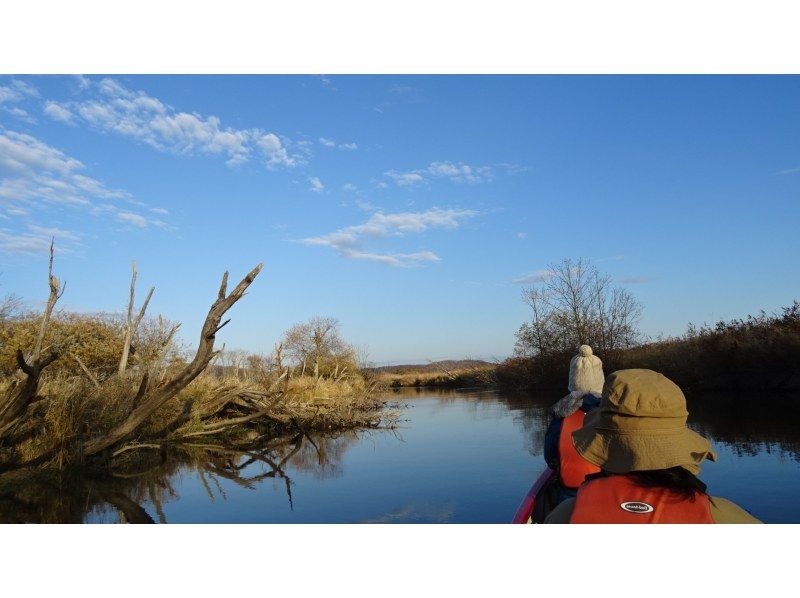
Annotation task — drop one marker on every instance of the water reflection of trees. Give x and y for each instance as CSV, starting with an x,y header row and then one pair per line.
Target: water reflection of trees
x,y
143,483
532,412
748,423
530,409
148,481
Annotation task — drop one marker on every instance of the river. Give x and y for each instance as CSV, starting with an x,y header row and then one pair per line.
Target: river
x,y
457,457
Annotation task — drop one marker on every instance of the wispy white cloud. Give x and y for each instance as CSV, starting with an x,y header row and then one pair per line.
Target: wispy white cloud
x,y
113,108
36,239
456,172
136,220
36,177
326,82
461,173
316,185
533,277
348,242
54,232
58,112
521,235
405,179
23,243
20,113
17,91
13,93
789,171
327,142
275,152
34,171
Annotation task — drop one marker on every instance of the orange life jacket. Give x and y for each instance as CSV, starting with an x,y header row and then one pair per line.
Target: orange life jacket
x,y
573,468
618,499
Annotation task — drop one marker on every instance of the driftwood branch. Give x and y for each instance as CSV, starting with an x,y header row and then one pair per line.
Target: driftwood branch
x,y
220,426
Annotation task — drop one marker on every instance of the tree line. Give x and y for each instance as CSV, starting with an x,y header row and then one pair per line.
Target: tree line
x,y
574,304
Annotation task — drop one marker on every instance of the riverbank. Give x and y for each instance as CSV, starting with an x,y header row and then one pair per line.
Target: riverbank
x,y
93,392
433,377
756,353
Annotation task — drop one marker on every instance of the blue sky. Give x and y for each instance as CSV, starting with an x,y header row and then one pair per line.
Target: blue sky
x,y
410,208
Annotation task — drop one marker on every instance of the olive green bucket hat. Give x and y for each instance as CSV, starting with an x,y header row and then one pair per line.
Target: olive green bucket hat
x,y
640,425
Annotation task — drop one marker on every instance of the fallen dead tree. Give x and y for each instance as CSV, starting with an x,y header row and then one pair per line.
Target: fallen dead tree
x,y
145,405
151,399
21,408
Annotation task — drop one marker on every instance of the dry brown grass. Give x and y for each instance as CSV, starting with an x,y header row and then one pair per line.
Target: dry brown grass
x,y
74,410
458,378
755,353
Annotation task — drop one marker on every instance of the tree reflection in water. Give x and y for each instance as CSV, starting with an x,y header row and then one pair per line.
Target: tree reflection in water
x,y
144,481
44,497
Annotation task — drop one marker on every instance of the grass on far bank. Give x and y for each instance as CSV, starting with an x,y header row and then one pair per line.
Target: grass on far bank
x,y
756,353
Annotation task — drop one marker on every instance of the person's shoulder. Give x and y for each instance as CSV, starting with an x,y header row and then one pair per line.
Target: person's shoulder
x,y
562,513
725,511
590,401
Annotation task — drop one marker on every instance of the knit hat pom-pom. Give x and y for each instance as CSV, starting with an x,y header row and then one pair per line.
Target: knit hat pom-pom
x,y
585,350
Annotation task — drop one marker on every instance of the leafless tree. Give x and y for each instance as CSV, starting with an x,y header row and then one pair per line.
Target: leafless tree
x,y
536,336
575,304
315,342
10,305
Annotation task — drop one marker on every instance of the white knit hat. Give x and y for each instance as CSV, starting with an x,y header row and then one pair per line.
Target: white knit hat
x,y
586,372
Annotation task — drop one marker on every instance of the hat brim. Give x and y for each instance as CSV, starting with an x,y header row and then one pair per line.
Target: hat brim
x,y
620,452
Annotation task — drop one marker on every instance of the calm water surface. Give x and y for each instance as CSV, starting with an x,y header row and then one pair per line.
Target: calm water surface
x,y
459,457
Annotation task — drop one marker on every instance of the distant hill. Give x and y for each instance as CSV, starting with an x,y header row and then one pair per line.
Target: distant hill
x,y
435,366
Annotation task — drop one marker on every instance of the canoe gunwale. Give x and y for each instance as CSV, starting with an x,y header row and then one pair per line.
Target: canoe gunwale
x,y
525,510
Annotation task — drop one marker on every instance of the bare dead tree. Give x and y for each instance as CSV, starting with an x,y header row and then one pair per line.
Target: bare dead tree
x,y
10,305
132,323
315,341
576,304
23,393
537,332
571,290
153,398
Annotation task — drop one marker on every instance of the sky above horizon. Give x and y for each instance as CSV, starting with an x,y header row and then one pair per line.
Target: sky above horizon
x,y
413,209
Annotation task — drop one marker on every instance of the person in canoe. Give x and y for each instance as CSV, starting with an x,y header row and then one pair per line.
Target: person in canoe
x,y
649,459
585,386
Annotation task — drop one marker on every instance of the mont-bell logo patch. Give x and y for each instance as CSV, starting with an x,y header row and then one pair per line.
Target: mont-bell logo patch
x,y
637,507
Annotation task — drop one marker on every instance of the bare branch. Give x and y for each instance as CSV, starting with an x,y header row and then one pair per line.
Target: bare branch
x,y
86,370
218,328
55,293
23,365
223,288
133,323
